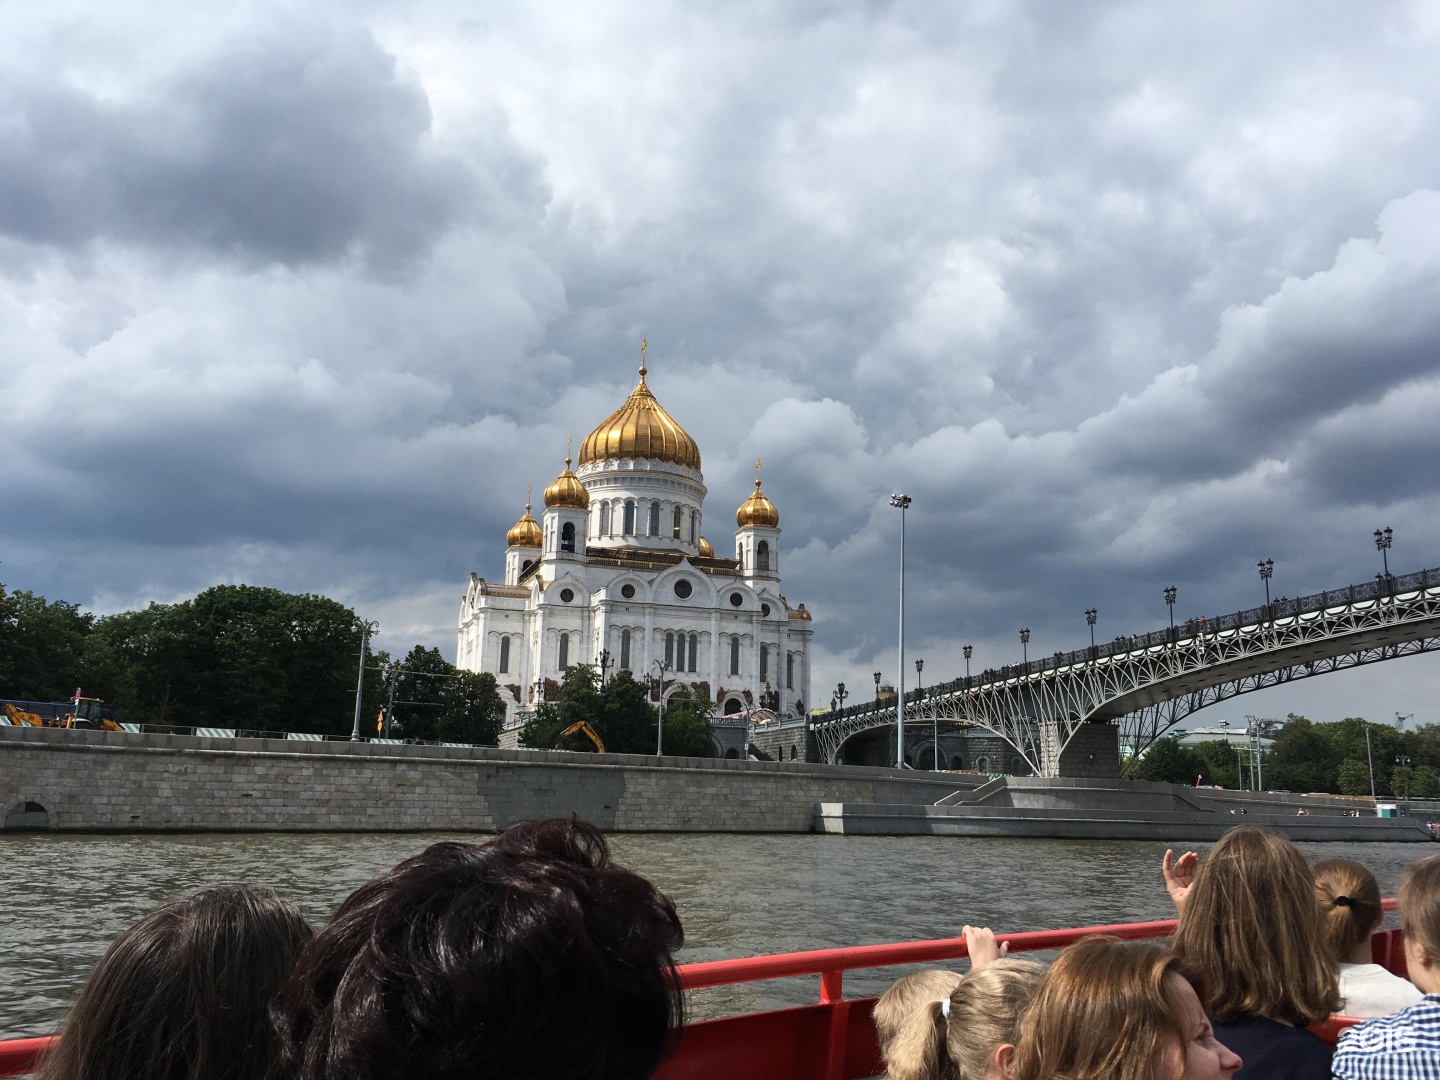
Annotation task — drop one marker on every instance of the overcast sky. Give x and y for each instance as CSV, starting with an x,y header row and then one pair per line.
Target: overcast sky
x,y
1123,295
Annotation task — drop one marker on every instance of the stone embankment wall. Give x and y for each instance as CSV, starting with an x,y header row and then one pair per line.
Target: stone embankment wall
x,y
92,781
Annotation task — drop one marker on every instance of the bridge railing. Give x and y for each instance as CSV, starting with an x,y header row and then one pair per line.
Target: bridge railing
x,y
1282,608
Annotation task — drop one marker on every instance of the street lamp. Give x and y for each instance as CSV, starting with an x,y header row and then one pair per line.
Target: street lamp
x,y
902,503
1090,616
664,666
366,629
934,716
1404,761
606,660
1025,645
840,694
1266,569
877,686
1170,603
1382,544
968,650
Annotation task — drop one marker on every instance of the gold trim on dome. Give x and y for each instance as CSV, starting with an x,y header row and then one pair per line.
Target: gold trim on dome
x,y
640,429
526,532
567,490
757,510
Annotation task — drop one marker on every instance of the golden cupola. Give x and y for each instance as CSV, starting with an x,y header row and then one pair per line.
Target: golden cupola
x,y
757,510
706,551
567,490
525,532
640,429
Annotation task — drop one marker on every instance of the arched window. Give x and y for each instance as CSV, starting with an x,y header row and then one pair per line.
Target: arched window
x,y
762,557
625,649
675,531
670,649
567,536
734,656
792,752
564,651
764,662
654,517
605,519
790,671
694,648
694,527
504,656
629,517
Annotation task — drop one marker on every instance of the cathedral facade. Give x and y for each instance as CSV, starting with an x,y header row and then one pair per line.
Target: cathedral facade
x,y
617,573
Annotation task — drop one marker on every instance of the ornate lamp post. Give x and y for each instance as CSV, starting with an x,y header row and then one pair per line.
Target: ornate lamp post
x,y
968,650
840,694
902,503
1266,569
606,661
664,666
366,629
1090,616
1404,762
1383,537
1170,603
934,717
1025,645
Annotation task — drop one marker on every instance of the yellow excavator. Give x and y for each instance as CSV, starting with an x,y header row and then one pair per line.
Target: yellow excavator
x,y
584,729
20,717
80,712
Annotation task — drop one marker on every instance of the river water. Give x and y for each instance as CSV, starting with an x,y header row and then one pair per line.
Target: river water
x,y
67,897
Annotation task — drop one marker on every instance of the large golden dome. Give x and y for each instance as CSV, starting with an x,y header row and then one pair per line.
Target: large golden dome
x,y
525,532
757,510
640,429
567,490
706,551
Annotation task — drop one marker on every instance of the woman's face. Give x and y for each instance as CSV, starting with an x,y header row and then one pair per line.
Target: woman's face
x,y
1203,1057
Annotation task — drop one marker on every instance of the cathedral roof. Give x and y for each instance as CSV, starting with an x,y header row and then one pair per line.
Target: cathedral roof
x,y
640,428
757,510
567,490
525,532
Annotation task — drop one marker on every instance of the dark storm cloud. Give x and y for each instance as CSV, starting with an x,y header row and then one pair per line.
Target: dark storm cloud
x,y
297,144
1124,296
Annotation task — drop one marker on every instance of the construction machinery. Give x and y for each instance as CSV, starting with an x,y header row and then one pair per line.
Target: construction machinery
x,y
79,712
584,729
21,717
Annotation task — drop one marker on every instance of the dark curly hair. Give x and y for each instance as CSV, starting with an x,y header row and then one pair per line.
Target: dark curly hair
x,y
532,955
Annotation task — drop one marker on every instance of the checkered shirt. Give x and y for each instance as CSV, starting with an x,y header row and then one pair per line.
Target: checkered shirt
x,y
1401,1046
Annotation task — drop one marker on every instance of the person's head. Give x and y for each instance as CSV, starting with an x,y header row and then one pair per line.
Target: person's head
x,y
974,1037
532,955
1349,905
185,993
1419,897
1251,929
907,994
1106,1010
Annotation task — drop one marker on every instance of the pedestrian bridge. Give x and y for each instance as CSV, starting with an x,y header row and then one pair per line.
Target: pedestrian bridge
x,y
1145,684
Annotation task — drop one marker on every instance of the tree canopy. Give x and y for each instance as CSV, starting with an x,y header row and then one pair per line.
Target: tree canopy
x,y
622,714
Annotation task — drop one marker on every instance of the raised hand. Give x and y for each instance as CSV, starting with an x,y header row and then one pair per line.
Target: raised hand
x,y
1179,876
980,942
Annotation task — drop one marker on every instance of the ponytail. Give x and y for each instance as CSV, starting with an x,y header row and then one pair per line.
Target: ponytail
x,y
1349,901
919,1049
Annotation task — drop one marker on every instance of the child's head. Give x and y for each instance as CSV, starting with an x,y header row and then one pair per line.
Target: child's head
x,y
1251,930
907,994
185,993
963,1040
1419,897
1349,904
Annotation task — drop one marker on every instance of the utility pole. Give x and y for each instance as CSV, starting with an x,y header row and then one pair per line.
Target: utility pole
x,y
1370,758
360,682
902,503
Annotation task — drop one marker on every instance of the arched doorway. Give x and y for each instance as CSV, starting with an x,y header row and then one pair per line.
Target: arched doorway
x,y
733,705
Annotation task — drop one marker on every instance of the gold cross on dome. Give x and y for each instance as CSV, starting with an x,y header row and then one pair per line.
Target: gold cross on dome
x,y
757,472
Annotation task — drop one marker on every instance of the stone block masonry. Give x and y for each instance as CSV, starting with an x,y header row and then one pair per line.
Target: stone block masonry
x,y
97,781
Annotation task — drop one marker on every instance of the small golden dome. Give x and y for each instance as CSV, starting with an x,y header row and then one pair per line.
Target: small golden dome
x,y
757,510
567,490
526,532
640,428
706,551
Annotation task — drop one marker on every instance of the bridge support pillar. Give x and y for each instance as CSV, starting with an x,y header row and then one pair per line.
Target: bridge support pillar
x,y
1092,752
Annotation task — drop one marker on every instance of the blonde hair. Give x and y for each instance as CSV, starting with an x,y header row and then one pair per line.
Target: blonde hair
x,y
985,1011
1103,1012
905,996
1420,904
1349,904
1251,929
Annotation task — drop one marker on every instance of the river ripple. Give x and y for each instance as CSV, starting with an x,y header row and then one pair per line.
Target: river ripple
x,y
67,897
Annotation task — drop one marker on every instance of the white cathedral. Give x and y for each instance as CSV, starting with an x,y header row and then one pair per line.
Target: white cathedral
x,y
618,574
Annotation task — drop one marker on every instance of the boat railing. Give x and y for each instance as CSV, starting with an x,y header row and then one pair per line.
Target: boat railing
x,y
833,1039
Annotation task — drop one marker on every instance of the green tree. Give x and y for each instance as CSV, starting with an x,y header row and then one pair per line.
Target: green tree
x,y
627,722
580,699
1217,763
687,724
470,709
420,680
42,647
1167,762
1304,758
1354,777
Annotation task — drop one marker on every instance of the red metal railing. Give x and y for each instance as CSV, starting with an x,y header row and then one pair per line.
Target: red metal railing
x,y
835,1038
